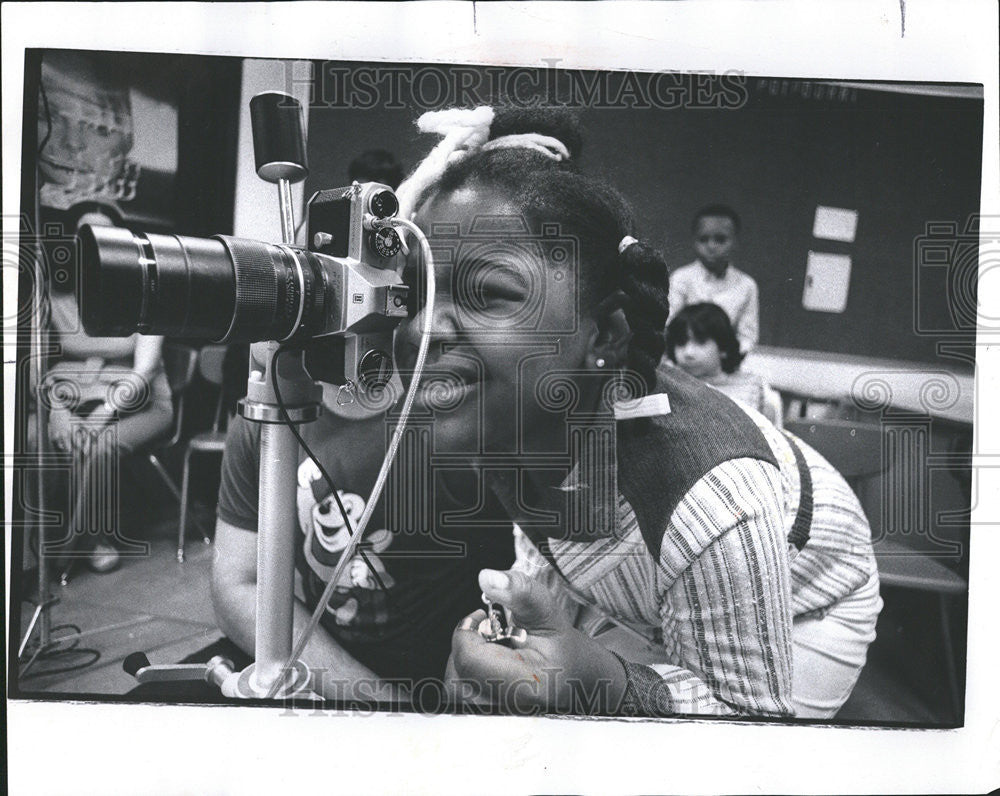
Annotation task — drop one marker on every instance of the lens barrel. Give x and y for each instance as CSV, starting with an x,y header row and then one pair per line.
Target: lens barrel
x,y
222,288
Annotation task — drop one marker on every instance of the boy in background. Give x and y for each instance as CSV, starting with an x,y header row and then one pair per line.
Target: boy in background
x,y
713,278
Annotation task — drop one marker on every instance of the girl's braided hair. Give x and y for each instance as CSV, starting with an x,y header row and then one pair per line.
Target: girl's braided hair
x,y
587,208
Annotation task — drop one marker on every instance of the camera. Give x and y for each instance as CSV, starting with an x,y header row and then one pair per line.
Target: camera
x,y
339,299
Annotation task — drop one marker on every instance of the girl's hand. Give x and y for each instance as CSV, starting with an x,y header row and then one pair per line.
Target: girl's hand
x,y
557,669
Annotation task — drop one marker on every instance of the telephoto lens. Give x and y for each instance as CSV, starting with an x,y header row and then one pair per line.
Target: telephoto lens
x,y
222,288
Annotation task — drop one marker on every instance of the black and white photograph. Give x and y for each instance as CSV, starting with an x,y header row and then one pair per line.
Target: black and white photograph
x,y
501,404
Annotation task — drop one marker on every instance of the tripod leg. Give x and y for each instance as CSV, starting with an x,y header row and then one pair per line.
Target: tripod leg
x,y
31,627
83,516
164,476
31,661
64,575
184,504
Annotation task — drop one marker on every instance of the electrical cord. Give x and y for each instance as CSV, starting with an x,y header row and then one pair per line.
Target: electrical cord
x,y
411,394
315,459
93,655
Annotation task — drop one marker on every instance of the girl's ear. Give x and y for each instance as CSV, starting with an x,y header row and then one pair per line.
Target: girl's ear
x,y
609,341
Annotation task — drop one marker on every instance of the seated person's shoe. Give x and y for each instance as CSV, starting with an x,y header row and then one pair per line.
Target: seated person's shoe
x,y
103,558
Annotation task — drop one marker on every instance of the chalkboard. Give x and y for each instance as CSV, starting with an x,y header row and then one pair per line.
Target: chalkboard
x,y
908,163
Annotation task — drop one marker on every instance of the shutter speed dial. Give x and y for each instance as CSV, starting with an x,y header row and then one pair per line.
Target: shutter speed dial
x,y
385,241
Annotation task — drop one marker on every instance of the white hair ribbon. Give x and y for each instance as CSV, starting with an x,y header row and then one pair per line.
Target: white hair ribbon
x,y
464,131
627,241
550,147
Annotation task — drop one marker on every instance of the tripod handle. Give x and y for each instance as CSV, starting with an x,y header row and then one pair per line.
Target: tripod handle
x,y
215,671
278,144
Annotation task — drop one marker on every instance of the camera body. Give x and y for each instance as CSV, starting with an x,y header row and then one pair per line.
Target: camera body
x,y
350,229
339,299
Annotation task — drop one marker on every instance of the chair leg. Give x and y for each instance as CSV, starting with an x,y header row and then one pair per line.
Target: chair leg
x,y
74,558
64,575
185,479
165,476
76,511
204,536
949,658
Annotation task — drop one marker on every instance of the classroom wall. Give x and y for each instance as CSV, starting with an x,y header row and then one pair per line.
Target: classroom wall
x,y
900,160
256,212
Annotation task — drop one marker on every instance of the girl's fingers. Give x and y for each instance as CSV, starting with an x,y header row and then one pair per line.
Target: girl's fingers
x,y
471,622
532,604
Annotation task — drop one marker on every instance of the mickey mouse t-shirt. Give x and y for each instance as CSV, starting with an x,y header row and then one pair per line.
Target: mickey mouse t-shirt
x,y
398,619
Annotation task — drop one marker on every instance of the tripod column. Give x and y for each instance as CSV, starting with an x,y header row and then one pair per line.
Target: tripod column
x,y
279,153
277,518
275,551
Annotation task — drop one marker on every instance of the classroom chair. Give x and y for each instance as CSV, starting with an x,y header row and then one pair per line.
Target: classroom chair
x,y
210,366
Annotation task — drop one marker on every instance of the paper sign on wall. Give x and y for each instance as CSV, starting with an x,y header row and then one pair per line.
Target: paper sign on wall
x,y
828,277
835,223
